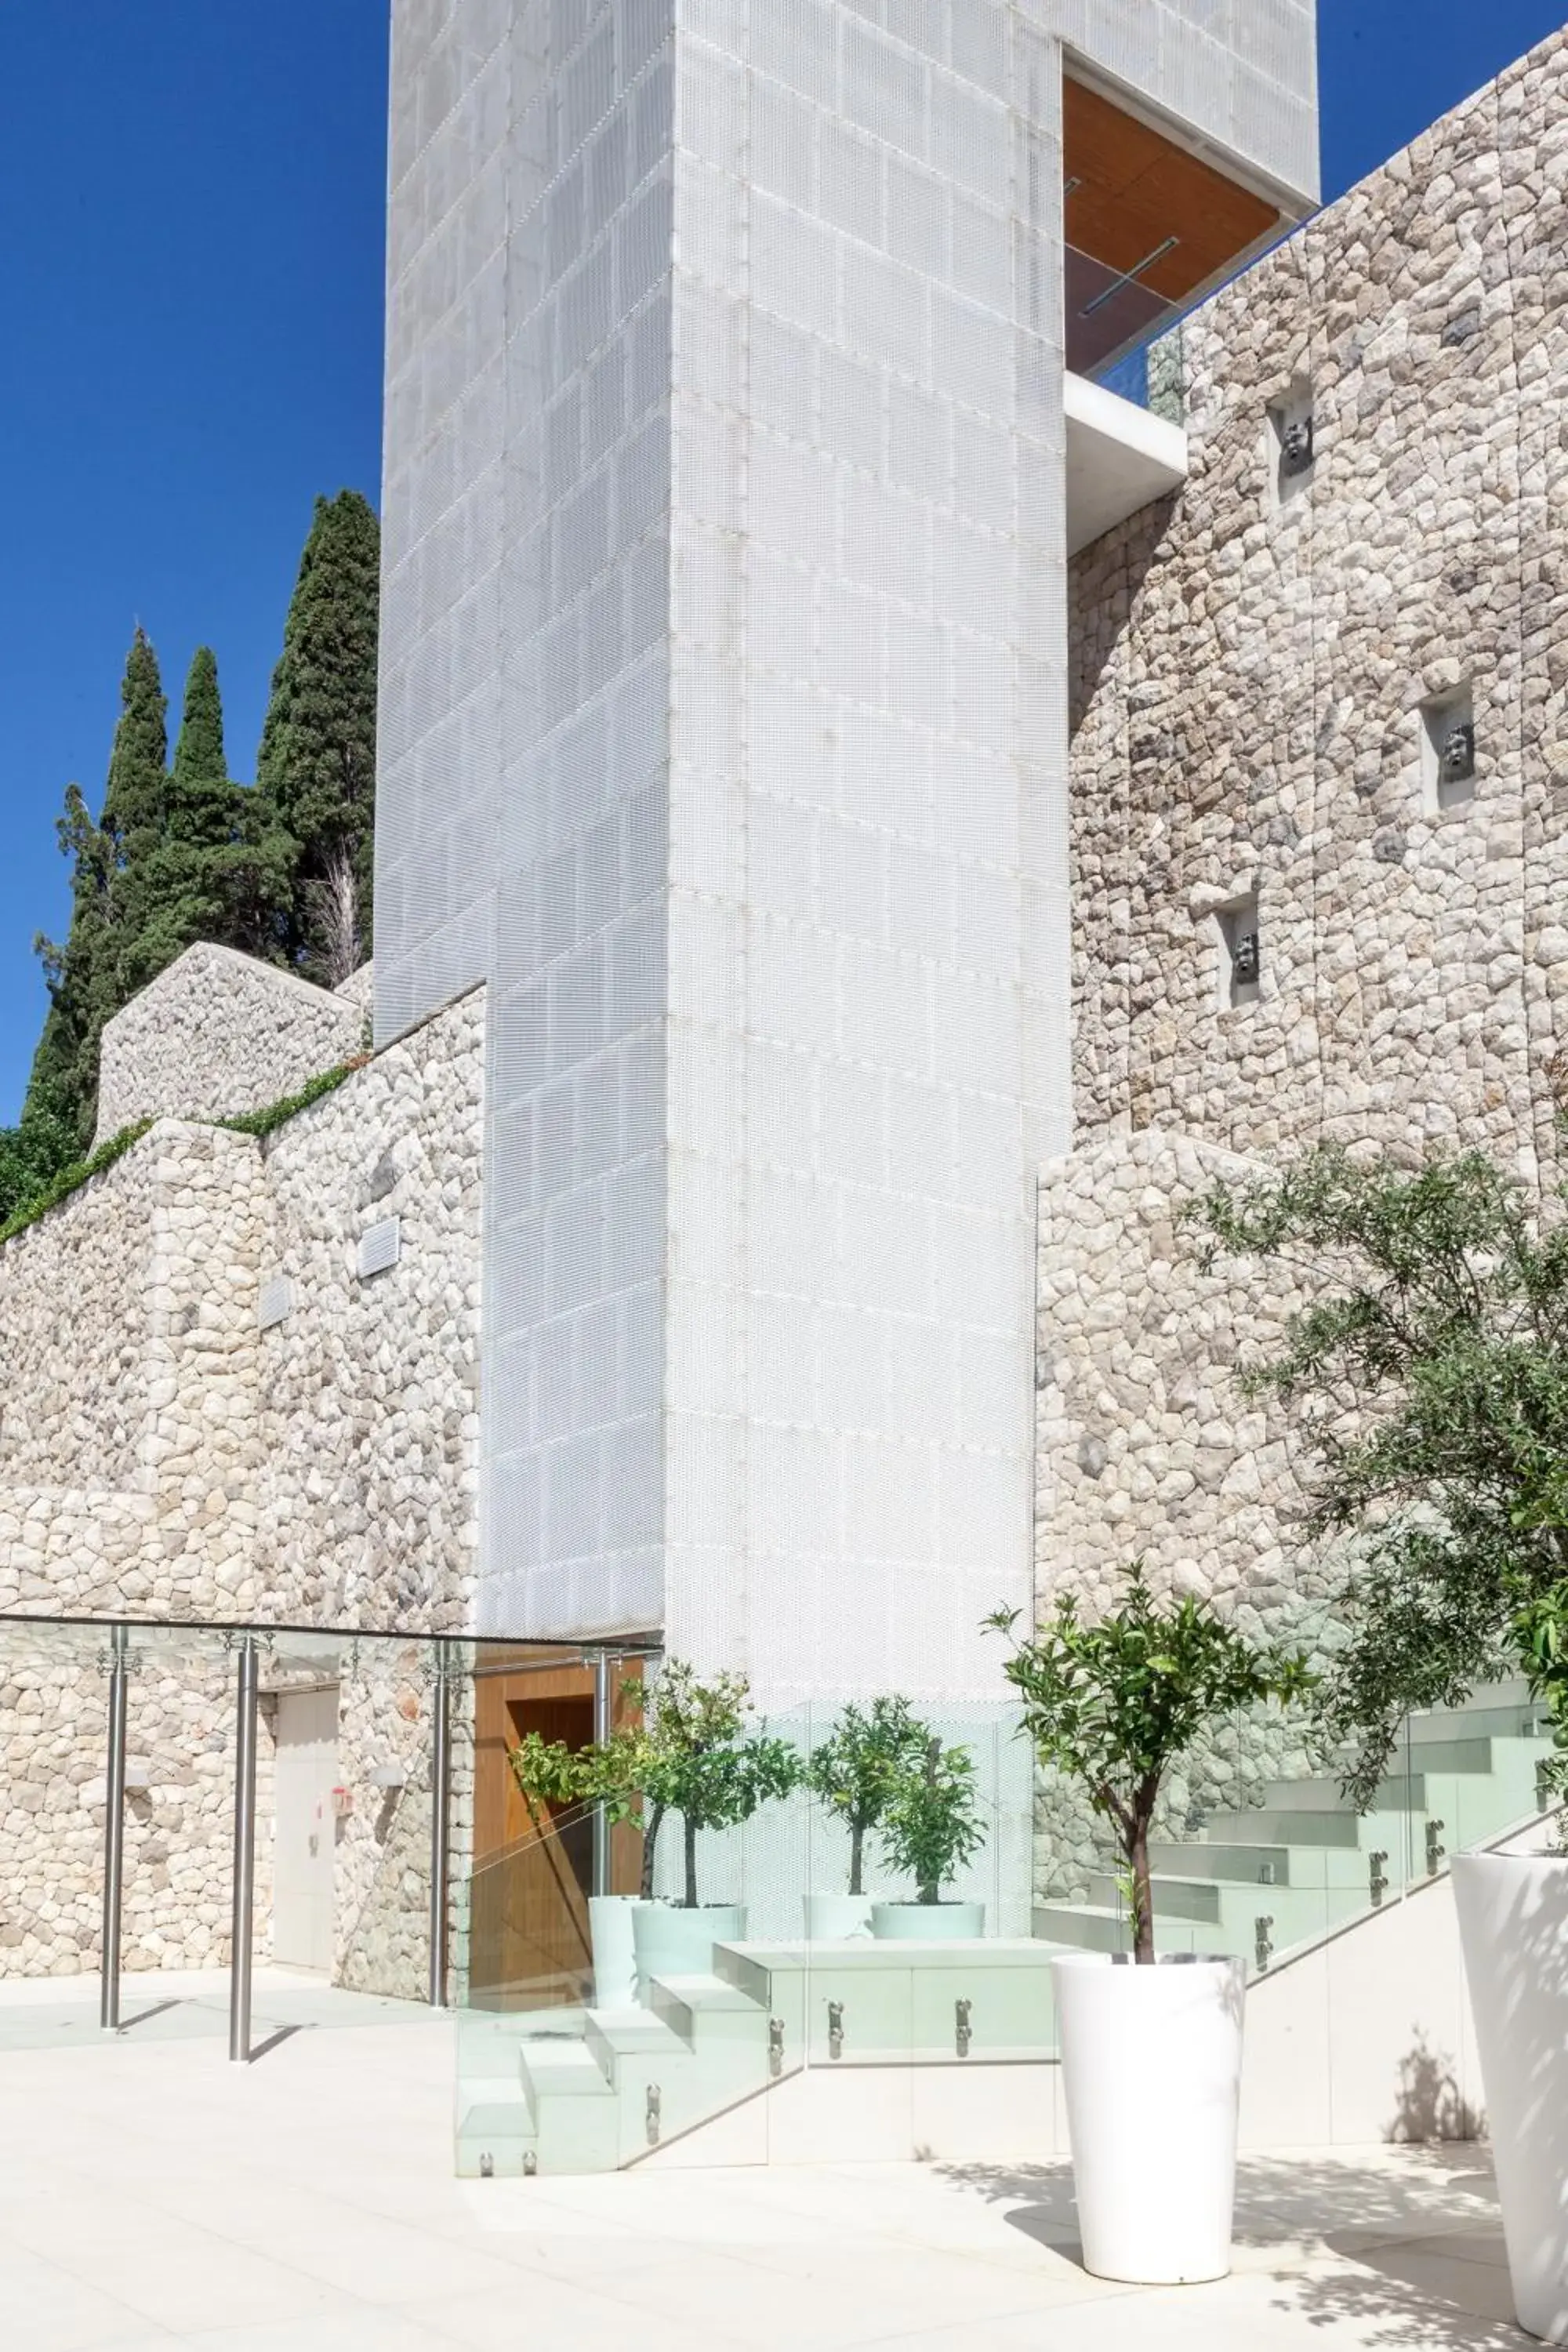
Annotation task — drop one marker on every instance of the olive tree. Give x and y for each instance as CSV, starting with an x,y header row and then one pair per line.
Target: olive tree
x,y
1427,1383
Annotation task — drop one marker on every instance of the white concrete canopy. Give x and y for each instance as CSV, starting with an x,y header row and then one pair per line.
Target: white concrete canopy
x,y
1119,458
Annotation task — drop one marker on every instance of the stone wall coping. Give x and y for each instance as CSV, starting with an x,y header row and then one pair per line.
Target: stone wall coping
x,y
202,951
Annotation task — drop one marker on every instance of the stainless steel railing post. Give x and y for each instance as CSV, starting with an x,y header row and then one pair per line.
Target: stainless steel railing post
x,y
441,1780
244,1852
113,1832
604,1699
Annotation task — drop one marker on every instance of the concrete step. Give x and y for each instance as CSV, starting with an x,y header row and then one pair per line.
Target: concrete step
x,y
1175,1897
1472,1754
1102,1928
1405,1792
706,2008
562,2069
1504,1711
574,2112
1246,1864
612,2036
1273,1825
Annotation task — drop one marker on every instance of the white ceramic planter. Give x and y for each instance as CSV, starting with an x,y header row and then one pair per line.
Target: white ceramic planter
x,y
614,1951
673,1942
927,1923
837,1918
1513,1929
1152,2069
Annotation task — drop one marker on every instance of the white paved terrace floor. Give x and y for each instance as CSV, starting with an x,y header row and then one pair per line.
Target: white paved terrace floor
x,y
152,2195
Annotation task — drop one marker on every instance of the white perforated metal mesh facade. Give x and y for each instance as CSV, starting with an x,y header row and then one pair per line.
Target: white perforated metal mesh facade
x,y
866,789
523,817
724,728
1244,73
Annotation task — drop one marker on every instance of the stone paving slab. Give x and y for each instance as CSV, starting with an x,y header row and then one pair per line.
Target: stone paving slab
x,y
152,2195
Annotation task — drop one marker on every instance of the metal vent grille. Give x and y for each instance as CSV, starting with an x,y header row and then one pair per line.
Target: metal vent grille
x,y
276,1300
380,1246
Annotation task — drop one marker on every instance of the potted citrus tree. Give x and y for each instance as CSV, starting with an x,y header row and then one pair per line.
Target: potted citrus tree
x,y
1151,2056
854,1773
1513,1929
931,1827
699,1753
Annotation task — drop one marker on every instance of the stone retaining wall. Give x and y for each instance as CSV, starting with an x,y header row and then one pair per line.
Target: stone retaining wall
x,y
161,1455
218,1034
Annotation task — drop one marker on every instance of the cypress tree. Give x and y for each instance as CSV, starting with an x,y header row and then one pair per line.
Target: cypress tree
x,y
178,889
316,768
136,797
199,754
90,975
62,1088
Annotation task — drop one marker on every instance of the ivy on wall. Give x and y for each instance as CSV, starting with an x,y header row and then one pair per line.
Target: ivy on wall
x,y
258,1123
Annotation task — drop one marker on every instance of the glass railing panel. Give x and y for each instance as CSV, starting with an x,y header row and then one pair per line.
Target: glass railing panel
x,y
1477,1768
563,2069
1107,311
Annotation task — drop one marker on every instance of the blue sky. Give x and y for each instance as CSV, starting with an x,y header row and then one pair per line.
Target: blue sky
x,y
190,282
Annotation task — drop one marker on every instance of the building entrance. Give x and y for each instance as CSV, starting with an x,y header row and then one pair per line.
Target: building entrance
x,y
304,1827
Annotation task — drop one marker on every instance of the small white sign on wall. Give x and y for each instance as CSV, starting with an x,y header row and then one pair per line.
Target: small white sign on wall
x,y
276,1301
380,1246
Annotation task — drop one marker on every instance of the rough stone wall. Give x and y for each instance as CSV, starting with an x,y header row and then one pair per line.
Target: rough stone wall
x,y
74,1386
163,1457
1247,677
178,1830
217,1033
131,1458
1148,1450
369,1387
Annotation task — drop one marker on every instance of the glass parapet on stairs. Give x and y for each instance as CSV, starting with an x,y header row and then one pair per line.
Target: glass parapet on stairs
x,y
1261,1853
588,2040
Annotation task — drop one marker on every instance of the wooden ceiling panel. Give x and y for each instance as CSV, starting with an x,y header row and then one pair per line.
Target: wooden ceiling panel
x,y
1135,188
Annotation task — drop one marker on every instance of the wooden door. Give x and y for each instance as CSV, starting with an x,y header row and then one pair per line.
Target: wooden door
x,y
529,1942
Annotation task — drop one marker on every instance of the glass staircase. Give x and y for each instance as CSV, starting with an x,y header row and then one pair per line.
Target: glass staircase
x,y
1260,1879
553,2080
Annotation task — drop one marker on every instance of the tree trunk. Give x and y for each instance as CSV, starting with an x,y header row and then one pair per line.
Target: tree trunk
x,y
690,1828
649,1840
1142,1897
857,1855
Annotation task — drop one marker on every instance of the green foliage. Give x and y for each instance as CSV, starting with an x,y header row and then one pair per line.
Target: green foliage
x,y
1539,1633
550,1775
275,1115
85,973
32,1154
693,1753
856,1770
184,854
69,1180
930,1824
1428,1380
199,756
1114,1703
316,769
179,884
55,1182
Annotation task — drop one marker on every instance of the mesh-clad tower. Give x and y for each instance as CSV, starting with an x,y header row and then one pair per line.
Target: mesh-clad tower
x,y
724,734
